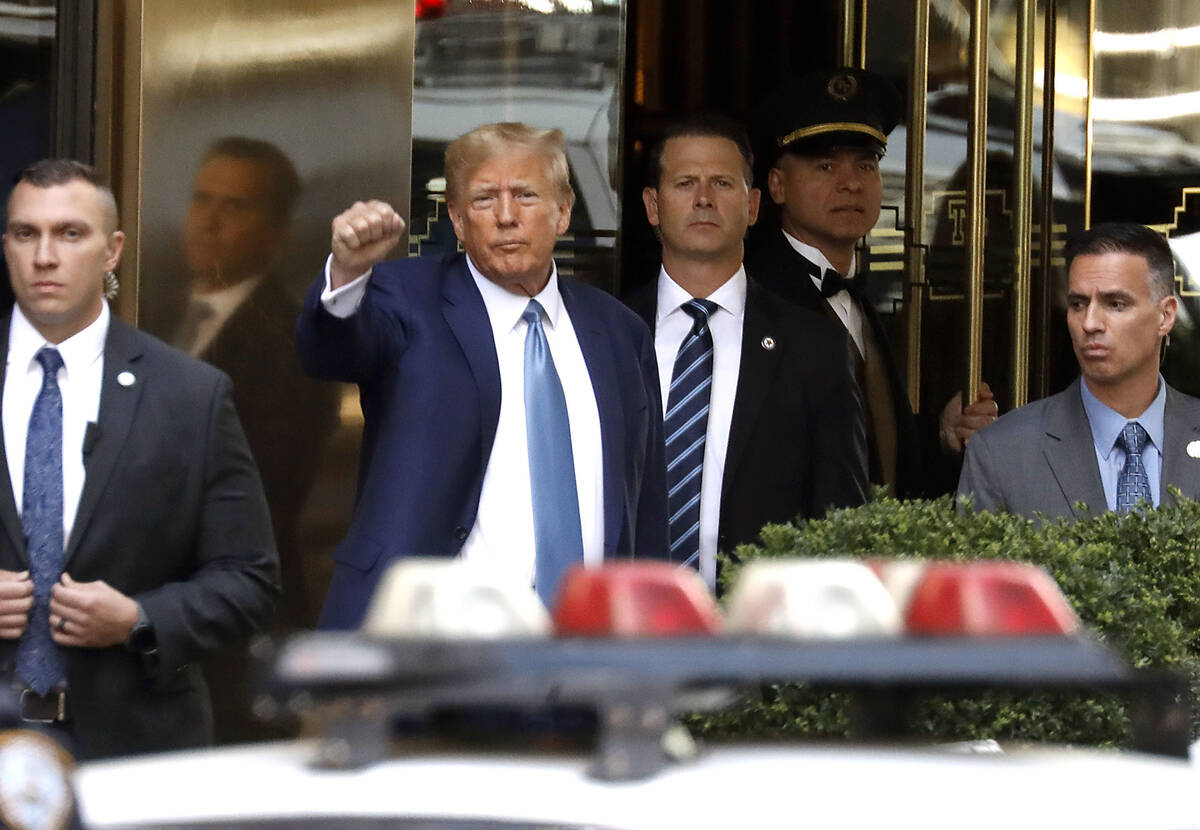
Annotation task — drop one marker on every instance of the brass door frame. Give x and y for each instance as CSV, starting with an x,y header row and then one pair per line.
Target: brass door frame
x,y
1030,311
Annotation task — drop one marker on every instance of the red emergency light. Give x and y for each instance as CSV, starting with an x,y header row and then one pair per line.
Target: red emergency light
x,y
987,599
429,9
635,599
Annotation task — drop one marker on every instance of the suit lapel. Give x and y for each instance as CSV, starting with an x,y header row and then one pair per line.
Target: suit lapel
x,y
8,505
120,393
1181,428
1070,452
598,355
467,317
759,366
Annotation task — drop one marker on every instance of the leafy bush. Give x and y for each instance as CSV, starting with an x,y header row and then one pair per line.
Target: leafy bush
x,y
1133,579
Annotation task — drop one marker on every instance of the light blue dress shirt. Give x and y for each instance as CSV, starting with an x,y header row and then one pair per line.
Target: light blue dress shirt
x,y
1107,424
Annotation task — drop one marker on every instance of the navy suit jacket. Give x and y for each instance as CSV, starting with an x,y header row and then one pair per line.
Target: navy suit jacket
x,y
420,348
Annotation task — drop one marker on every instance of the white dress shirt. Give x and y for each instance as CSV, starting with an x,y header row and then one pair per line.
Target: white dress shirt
x,y
843,305
502,536
671,325
221,305
79,381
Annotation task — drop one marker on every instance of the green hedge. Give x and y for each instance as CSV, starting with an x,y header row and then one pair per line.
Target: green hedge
x,y
1134,580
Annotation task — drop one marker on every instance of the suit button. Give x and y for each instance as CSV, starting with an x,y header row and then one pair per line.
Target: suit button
x,y
460,533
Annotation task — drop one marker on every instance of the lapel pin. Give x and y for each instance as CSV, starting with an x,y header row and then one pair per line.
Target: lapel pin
x,y
768,343
126,379
1193,449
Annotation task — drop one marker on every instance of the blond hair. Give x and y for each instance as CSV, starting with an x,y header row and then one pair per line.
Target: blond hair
x,y
469,151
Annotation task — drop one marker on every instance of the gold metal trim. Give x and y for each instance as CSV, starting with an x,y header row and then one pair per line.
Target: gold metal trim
x,y
1089,130
1022,204
846,44
914,199
1048,228
862,34
977,166
835,127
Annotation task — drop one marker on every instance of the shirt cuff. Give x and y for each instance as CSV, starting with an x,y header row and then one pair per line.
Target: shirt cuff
x,y
343,302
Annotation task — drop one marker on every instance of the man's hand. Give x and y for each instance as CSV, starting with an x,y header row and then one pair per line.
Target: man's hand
x,y
16,598
959,423
362,236
96,615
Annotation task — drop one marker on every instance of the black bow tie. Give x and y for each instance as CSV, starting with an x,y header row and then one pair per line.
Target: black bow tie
x,y
832,282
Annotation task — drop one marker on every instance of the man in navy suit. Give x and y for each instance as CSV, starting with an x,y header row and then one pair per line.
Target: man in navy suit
x,y
440,352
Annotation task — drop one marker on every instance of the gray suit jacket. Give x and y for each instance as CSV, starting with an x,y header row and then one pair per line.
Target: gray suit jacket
x,y
1041,458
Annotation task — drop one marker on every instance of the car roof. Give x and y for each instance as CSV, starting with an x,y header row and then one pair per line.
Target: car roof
x,y
734,786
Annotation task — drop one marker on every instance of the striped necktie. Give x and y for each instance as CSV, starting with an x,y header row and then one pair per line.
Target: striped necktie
x,y
686,423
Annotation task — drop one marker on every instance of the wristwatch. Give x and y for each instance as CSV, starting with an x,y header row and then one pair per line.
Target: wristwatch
x,y
143,642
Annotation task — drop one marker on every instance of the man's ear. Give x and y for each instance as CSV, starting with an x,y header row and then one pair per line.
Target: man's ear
x,y
755,201
650,200
456,219
1169,309
775,185
116,242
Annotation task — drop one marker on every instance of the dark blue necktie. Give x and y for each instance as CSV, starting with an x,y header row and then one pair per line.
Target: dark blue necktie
x,y
556,530
1133,485
686,423
39,661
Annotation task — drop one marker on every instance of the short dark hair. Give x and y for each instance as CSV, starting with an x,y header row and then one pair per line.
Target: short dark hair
x,y
705,125
1129,238
282,179
55,172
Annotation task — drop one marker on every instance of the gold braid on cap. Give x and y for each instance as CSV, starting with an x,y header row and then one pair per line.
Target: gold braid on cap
x,y
835,127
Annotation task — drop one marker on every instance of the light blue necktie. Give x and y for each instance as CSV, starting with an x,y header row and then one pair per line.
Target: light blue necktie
x,y
686,424
1133,485
39,660
556,530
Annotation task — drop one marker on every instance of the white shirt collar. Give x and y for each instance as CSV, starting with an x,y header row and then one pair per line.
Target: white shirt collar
x,y
78,351
817,258
224,301
505,308
731,296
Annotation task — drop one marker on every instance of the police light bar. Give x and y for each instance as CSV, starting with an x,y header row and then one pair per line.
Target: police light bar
x,y
987,599
635,599
453,599
817,598
639,642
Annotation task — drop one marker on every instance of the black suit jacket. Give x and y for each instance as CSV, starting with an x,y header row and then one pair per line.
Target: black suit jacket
x,y
778,266
797,441
172,514
288,418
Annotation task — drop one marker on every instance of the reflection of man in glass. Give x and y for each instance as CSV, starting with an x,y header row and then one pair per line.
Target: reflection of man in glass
x,y
239,317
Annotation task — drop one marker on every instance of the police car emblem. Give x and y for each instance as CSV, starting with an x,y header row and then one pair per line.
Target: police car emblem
x,y
35,788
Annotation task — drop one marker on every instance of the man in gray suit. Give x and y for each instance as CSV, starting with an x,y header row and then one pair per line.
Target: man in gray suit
x,y
1119,435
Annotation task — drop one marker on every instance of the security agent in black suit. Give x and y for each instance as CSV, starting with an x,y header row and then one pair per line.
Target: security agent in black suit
x,y
240,318
785,436
824,135
168,555
236,228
